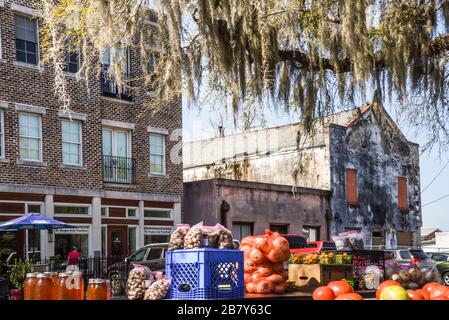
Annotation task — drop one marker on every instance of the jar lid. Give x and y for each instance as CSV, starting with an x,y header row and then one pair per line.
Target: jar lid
x,y
99,281
64,274
77,273
31,275
50,273
42,275
92,280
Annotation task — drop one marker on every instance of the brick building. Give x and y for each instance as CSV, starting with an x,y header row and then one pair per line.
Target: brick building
x,y
104,170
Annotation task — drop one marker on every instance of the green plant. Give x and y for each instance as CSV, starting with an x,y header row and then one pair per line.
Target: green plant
x,y
18,273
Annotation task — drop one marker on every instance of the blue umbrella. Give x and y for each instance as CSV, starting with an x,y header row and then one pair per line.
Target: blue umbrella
x,y
34,221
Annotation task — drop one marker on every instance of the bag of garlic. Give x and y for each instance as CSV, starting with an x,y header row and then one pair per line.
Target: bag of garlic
x,y
193,237
135,286
224,237
178,236
158,290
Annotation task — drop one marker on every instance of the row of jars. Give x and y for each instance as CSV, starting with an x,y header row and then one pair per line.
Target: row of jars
x,y
64,286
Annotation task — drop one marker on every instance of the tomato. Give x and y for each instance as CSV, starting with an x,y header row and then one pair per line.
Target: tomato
x,y
383,285
349,296
441,298
323,293
415,295
429,286
340,287
438,291
424,293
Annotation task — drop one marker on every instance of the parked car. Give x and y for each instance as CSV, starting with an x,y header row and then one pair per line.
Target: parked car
x,y
442,261
151,255
411,256
319,246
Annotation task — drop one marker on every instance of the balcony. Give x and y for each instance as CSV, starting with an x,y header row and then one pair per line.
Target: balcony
x,y
110,89
118,170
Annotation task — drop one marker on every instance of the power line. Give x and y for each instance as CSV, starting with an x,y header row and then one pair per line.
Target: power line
x,y
439,173
435,200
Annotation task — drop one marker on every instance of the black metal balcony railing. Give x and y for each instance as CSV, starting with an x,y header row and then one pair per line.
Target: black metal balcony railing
x,y
110,89
118,170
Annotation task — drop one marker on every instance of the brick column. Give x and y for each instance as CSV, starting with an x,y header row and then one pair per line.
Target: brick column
x,y
96,226
140,228
47,246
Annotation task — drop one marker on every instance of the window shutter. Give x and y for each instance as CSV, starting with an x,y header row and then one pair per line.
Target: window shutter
x,y
351,187
402,193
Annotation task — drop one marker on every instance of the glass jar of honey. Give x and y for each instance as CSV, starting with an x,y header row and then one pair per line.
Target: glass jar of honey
x,y
90,294
78,285
43,288
64,286
100,289
54,280
29,286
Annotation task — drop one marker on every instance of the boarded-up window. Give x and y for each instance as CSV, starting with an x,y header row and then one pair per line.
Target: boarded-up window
x,y
402,193
404,239
351,187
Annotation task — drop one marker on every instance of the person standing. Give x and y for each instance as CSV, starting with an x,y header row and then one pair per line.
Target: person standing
x,y
73,259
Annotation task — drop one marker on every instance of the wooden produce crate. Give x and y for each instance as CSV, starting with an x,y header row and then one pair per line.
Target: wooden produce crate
x,y
315,275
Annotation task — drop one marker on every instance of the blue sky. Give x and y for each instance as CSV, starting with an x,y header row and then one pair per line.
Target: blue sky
x,y
202,124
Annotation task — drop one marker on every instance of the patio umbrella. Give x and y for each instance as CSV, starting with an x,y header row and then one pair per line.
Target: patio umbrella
x,y
34,221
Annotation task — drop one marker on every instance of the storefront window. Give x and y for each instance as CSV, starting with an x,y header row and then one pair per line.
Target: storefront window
x,y
8,244
34,245
241,230
281,228
156,238
65,242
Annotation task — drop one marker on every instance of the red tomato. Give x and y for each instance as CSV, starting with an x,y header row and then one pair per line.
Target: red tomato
x,y
340,287
424,293
414,295
438,291
441,298
323,293
349,296
429,286
383,285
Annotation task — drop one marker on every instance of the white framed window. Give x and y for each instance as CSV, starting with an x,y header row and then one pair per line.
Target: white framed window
x,y
104,211
30,137
72,145
131,212
2,135
70,209
27,44
158,214
157,154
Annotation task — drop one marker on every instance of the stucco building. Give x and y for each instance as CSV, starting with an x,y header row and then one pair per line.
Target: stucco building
x,y
360,157
105,170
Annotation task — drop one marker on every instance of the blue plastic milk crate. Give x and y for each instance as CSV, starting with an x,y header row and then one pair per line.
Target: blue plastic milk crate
x,y
205,274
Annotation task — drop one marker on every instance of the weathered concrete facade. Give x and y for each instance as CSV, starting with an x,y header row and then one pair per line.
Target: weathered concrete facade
x,y
374,146
231,202
364,139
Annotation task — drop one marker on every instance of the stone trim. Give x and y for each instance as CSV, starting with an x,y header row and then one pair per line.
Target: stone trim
x,y
161,131
2,3
118,124
72,115
25,10
4,104
27,65
21,107
17,188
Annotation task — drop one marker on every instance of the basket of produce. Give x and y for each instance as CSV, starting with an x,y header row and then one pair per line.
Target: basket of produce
x,y
412,276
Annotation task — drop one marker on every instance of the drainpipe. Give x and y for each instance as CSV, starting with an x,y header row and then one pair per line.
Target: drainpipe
x,y
328,218
224,208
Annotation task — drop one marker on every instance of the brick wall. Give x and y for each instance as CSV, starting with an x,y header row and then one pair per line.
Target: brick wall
x,y
29,86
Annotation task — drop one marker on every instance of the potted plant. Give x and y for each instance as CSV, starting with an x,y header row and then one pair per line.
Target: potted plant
x,y
17,278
